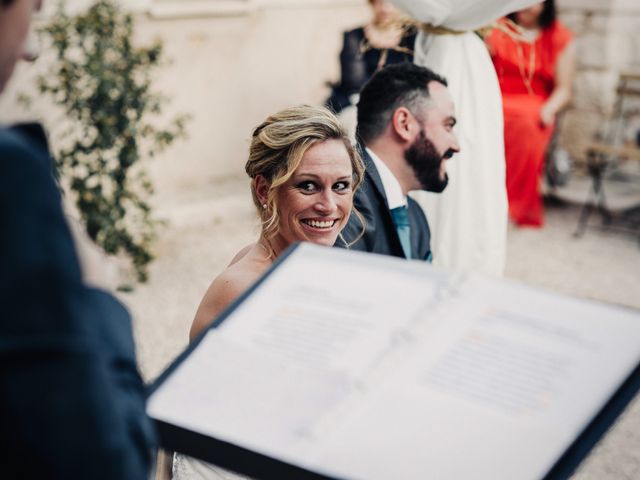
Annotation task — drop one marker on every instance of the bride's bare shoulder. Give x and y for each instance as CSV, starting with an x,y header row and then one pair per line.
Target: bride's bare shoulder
x,y
242,272
234,280
242,253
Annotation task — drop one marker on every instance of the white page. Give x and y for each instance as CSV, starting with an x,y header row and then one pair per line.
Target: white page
x,y
307,341
362,366
498,395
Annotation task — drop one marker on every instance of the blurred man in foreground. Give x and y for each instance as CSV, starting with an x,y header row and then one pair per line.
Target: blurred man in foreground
x,y
71,399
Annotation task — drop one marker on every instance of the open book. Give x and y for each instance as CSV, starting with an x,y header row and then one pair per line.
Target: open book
x,y
341,364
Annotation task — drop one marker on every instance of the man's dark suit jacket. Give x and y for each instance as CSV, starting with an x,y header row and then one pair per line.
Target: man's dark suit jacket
x,y
71,399
380,235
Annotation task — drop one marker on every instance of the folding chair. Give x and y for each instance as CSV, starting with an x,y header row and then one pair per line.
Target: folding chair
x,y
603,157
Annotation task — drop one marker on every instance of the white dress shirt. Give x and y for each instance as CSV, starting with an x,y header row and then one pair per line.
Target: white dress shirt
x,y
392,188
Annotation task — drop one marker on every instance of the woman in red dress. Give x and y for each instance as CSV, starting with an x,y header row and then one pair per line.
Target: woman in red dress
x,y
535,68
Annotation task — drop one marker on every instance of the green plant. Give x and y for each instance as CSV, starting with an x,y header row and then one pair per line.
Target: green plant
x,y
103,83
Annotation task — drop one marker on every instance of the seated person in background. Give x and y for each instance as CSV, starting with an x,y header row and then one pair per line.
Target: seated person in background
x,y
367,49
405,126
304,172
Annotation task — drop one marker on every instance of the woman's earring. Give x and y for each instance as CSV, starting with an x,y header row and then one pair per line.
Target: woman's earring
x,y
264,205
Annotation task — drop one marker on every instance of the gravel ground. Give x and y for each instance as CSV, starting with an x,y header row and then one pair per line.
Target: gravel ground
x,y
207,227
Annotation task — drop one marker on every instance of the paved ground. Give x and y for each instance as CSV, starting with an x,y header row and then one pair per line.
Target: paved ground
x,y
208,226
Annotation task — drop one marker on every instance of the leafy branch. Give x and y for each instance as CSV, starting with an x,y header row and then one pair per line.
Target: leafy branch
x,y
103,83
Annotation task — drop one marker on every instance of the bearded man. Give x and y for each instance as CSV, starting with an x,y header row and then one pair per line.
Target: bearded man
x,y
405,126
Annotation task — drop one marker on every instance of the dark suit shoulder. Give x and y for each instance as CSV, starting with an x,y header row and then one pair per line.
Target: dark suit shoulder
x,y
355,34
26,137
25,165
417,212
420,232
69,363
378,234
34,241
352,235
351,41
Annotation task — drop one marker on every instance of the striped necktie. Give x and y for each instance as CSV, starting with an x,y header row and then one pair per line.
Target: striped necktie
x,y
400,217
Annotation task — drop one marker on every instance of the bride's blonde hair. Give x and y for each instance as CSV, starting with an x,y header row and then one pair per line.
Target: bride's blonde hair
x,y
277,147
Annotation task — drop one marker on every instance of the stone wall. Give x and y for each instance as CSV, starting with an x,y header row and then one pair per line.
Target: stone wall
x,y
235,61
607,44
229,68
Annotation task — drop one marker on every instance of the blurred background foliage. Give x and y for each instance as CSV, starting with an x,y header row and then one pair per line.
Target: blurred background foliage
x,y
103,82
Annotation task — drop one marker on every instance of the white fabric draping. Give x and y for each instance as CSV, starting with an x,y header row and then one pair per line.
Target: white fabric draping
x,y
469,219
461,14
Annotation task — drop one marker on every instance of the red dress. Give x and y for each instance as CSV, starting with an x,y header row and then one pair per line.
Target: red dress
x,y
526,73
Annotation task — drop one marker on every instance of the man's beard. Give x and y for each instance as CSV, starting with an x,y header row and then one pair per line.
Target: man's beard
x,y
424,159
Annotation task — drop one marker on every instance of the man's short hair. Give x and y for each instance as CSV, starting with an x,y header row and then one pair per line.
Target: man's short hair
x,y
6,3
394,86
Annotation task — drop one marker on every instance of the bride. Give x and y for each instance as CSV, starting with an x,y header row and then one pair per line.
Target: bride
x,y
304,172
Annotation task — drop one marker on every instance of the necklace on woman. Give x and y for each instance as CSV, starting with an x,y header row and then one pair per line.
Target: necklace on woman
x,y
527,76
